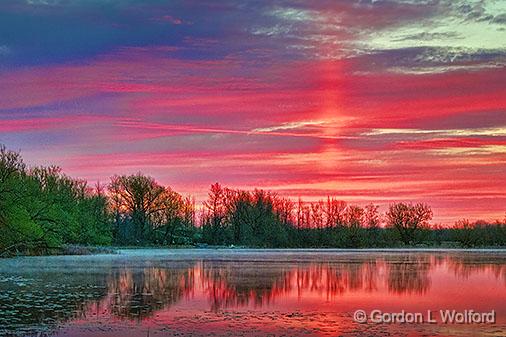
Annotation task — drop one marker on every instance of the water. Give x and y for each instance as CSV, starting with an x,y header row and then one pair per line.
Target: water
x,y
249,292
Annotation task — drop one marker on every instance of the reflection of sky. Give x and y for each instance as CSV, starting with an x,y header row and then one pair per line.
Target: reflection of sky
x,y
365,100
174,288
310,295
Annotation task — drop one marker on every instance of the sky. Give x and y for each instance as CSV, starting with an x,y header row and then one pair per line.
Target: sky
x,y
365,101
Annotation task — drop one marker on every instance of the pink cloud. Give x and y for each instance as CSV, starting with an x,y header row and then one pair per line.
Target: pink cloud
x,y
47,124
299,128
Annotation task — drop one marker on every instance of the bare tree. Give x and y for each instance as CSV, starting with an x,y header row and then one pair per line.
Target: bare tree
x,y
284,210
372,217
140,198
408,219
215,213
300,213
354,216
317,214
335,212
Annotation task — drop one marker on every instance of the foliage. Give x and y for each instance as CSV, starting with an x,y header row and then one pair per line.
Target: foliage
x,y
42,209
146,212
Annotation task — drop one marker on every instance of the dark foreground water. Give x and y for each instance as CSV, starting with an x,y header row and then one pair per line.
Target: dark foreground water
x,y
251,292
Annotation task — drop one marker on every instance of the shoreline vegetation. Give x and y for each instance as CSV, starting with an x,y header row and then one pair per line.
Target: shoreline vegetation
x,y
43,211
81,250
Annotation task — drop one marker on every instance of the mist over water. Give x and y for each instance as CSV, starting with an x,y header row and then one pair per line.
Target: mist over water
x,y
250,292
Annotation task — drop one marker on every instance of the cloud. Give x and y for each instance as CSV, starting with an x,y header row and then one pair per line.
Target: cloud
x,y
290,126
43,2
471,151
473,11
452,143
490,132
4,50
500,19
260,31
170,19
428,36
157,130
426,60
365,100
50,124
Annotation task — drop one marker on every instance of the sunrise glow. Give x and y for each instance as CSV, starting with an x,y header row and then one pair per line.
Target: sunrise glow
x,y
365,101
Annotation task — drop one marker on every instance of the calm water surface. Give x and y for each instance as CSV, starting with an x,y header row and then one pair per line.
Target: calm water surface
x,y
248,292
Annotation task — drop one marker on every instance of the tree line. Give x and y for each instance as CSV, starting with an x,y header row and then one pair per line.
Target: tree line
x,y
41,209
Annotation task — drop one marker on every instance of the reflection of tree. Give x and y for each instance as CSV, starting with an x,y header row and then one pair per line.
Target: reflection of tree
x,y
464,266
250,283
229,285
139,293
330,279
409,274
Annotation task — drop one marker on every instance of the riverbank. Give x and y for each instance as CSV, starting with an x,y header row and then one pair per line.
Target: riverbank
x,y
63,250
70,250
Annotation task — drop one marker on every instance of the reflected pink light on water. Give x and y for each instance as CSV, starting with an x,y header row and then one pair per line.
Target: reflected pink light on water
x,y
303,298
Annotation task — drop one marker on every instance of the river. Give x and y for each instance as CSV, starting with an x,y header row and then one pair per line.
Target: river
x,y
248,292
